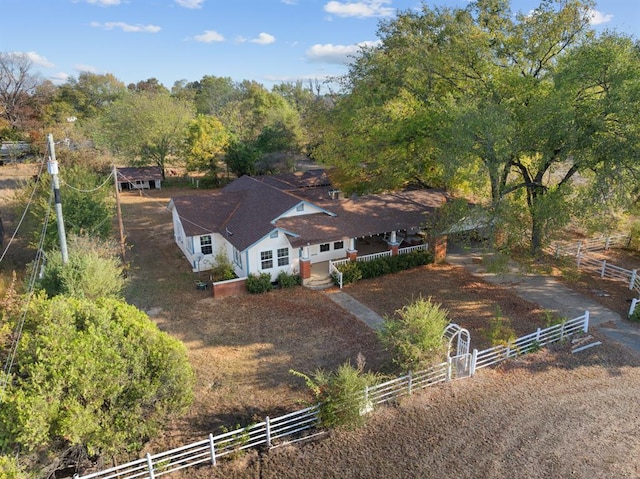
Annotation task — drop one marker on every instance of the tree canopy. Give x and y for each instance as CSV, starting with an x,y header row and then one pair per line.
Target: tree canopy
x,y
513,107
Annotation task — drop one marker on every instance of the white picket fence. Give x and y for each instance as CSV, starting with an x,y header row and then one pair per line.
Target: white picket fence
x,y
334,264
605,269
305,423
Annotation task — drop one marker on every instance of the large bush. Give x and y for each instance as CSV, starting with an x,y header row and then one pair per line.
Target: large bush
x,y
93,270
341,393
259,283
415,334
98,375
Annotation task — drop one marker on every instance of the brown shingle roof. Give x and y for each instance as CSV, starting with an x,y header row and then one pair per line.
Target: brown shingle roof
x,y
143,173
364,216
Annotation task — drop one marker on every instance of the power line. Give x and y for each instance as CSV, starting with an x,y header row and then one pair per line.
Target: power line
x,y
24,214
17,335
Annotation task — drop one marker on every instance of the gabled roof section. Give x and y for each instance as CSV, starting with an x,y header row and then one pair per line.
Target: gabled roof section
x,y
315,178
364,216
142,173
243,211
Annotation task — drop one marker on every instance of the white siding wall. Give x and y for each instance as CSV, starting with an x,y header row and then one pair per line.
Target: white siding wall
x,y
271,244
309,209
318,256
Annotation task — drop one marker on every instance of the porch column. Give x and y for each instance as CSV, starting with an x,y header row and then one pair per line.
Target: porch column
x,y
352,252
439,248
394,246
305,263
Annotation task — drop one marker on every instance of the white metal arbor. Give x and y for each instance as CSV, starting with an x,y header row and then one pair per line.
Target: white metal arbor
x,y
460,362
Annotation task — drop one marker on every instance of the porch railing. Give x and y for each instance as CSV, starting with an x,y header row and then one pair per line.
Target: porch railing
x,y
334,264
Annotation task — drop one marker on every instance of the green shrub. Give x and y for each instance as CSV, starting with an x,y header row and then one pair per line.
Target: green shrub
x,y
635,316
499,331
222,269
350,273
341,393
259,283
286,280
9,468
414,334
355,271
93,270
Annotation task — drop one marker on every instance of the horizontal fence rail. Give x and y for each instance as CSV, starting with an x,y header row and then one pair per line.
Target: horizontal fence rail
x,y
296,425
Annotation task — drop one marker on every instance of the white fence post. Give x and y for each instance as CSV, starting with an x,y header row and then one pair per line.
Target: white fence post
x,y
586,321
268,431
632,308
579,250
634,274
150,465
449,366
212,448
410,382
474,358
607,243
604,268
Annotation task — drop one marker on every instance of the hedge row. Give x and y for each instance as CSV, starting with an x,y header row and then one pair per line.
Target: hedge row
x,y
357,270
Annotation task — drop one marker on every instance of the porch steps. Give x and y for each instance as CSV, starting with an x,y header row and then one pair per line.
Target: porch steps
x,y
319,283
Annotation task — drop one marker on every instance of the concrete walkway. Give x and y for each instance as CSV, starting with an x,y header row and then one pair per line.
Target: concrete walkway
x,y
542,290
551,295
355,307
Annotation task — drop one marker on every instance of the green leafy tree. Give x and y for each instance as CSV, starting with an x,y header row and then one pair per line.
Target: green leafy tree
x,y
98,375
518,108
205,143
145,128
93,270
87,204
90,93
414,334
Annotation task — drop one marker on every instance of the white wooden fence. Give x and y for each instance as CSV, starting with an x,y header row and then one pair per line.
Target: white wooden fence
x,y
334,264
304,423
605,269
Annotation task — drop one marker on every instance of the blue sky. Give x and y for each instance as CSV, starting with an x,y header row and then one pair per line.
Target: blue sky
x,y
269,41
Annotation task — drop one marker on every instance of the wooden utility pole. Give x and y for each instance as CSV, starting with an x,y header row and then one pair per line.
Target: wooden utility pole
x,y
119,212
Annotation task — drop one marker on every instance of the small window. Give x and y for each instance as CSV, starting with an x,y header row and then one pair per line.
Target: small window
x,y
300,207
338,245
266,259
206,246
237,257
324,247
283,256
274,234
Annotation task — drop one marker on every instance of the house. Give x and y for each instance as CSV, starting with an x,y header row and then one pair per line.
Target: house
x,y
140,178
291,222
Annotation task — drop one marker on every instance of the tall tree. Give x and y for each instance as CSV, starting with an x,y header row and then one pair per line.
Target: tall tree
x,y
18,83
145,128
205,143
91,93
462,95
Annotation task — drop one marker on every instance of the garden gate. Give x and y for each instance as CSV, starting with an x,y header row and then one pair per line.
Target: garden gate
x,y
460,362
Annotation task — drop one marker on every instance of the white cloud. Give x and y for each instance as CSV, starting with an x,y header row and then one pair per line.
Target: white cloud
x,y
263,39
85,68
598,18
125,27
289,2
209,36
190,3
59,78
361,9
104,3
38,60
340,54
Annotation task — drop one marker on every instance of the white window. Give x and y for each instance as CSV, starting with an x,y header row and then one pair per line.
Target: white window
x,y
283,256
266,259
206,247
324,247
237,257
300,207
274,234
